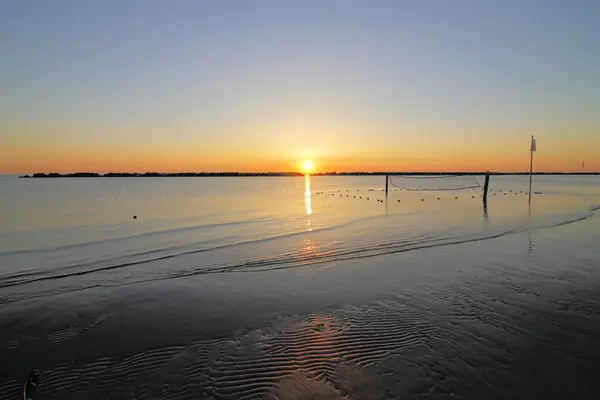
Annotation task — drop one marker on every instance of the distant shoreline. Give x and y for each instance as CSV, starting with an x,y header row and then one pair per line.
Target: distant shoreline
x,y
263,174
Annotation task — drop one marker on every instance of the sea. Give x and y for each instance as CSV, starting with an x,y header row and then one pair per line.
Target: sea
x,y
314,287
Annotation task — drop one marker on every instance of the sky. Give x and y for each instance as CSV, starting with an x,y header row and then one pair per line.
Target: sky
x,y
128,85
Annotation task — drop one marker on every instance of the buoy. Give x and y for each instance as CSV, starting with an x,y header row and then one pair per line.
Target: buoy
x,y
398,201
32,380
422,199
367,198
438,198
135,217
456,197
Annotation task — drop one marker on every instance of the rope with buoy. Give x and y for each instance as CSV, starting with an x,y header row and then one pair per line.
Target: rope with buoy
x,y
477,185
31,383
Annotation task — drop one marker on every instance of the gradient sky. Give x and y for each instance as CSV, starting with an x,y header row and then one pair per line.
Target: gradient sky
x,y
261,85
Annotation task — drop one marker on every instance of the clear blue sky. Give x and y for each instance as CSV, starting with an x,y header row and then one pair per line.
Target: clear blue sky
x,y
229,85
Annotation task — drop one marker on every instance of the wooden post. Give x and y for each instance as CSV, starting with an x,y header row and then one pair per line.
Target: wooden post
x,y
531,149
485,187
387,185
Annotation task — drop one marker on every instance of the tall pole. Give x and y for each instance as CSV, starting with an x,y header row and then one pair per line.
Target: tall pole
x,y
531,150
486,186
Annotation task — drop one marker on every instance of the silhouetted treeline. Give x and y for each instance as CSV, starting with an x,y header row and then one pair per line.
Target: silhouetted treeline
x,y
56,175
230,174
419,173
156,174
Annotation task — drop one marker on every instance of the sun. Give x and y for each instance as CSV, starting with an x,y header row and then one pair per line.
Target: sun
x,y
307,165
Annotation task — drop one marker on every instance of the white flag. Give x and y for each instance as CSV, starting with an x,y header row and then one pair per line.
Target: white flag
x,y
533,146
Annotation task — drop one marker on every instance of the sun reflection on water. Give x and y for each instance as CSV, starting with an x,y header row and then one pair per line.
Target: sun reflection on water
x,y
307,195
308,248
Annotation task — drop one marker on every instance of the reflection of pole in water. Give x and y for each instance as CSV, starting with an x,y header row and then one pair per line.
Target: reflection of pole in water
x,y
307,195
387,186
530,250
485,211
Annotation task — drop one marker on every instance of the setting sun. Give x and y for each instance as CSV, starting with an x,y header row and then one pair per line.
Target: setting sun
x,y
307,165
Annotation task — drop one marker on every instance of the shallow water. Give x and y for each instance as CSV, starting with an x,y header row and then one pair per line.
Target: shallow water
x,y
272,287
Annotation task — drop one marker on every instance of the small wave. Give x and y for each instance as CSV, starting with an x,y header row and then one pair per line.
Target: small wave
x,y
22,278
369,251
292,260
141,235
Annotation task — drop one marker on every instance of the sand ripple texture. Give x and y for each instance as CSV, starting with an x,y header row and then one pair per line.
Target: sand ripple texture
x,y
464,341
318,355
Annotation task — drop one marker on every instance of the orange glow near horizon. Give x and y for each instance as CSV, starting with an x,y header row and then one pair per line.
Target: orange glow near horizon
x,y
9,164
507,155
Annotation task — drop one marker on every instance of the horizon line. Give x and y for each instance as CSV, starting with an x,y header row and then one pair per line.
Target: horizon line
x,y
295,173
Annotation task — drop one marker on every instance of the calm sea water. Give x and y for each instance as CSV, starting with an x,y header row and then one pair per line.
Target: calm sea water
x,y
276,287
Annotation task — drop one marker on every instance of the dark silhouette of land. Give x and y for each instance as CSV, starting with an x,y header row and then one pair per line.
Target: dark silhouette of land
x,y
246,174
